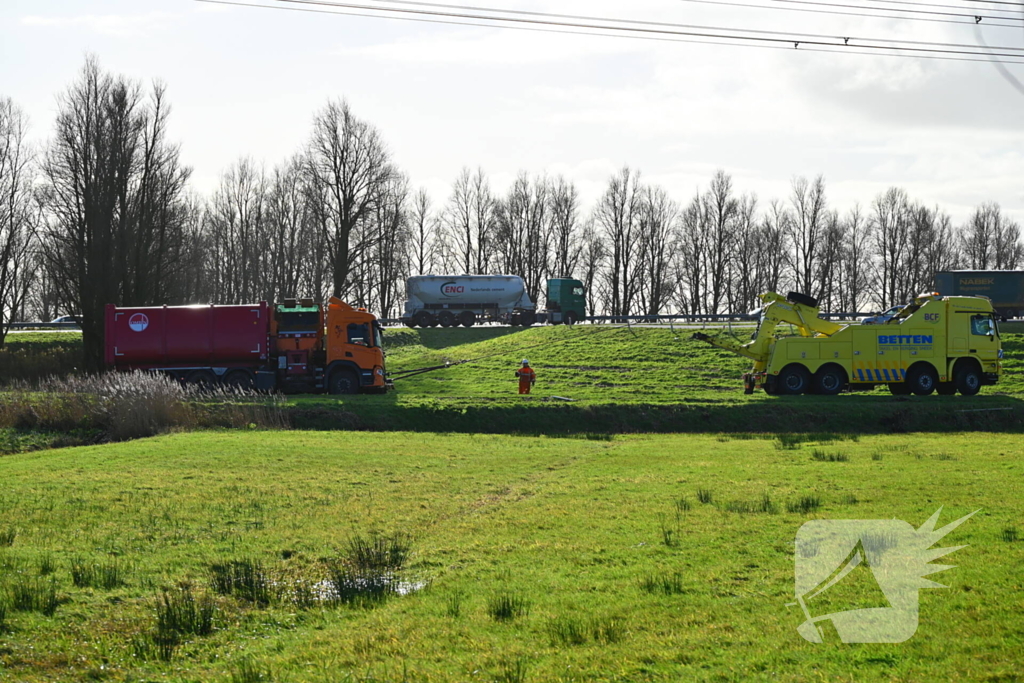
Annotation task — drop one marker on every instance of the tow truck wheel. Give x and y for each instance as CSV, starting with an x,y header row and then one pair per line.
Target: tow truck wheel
x,y
794,379
967,379
922,379
446,319
344,382
467,319
829,380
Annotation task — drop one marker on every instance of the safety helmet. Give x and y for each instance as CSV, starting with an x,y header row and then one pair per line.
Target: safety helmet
x,y
526,362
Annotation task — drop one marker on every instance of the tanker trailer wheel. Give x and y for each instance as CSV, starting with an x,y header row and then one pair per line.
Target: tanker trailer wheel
x,y
967,378
446,319
344,382
515,320
527,319
421,319
829,380
570,317
240,380
922,379
794,379
433,321
203,380
467,318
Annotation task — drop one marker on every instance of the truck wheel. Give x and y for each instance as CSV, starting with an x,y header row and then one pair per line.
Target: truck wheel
x,y
467,319
240,380
922,379
967,379
421,319
515,320
945,388
899,389
570,317
802,299
794,379
344,382
203,380
446,319
829,380
527,319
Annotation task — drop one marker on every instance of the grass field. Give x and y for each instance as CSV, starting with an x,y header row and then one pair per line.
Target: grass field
x,y
529,558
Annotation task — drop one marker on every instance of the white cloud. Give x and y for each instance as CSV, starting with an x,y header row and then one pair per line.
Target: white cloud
x,y
118,25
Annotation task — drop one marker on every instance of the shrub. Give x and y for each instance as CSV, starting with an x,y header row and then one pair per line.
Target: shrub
x,y
28,594
180,613
507,606
245,579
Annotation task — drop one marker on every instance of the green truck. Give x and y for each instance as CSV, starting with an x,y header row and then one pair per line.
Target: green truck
x,y
1004,288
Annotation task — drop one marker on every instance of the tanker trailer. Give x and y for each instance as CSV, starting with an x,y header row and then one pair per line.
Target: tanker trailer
x,y
450,300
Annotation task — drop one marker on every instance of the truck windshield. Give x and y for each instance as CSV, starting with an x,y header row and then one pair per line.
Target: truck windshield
x,y
378,335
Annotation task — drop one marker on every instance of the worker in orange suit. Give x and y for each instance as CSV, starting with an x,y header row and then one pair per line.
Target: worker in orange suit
x,y
526,376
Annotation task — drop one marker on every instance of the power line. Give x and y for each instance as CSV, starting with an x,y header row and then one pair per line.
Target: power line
x,y
692,31
969,15
970,22
576,17
661,36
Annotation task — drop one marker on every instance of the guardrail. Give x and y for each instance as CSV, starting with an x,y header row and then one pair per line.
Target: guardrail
x,y
680,317
45,326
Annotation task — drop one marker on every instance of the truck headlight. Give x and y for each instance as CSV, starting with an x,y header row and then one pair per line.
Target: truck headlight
x,y
380,372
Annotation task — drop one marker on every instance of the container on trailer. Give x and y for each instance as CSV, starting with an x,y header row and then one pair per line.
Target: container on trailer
x,y
467,292
149,337
1005,288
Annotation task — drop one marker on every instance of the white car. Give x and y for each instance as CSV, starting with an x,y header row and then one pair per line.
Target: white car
x,y
64,319
881,318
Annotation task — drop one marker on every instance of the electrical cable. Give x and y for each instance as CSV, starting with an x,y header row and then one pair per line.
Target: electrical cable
x,y
662,24
677,37
847,14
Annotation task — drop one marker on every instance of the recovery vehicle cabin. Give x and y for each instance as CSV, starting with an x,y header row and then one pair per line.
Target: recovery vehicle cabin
x,y
935,344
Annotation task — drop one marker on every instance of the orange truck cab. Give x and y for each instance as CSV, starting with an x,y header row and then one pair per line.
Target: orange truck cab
x,y
338,350
354,350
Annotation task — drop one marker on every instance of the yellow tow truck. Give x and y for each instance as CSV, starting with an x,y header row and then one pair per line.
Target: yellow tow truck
x,y
934,344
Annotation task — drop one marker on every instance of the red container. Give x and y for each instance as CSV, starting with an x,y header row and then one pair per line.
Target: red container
x,y
184,336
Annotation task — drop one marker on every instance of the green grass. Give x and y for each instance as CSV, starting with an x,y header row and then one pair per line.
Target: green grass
x,y
564,535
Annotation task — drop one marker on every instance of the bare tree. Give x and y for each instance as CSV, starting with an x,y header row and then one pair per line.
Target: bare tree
x,y
522,231
567,244
618,217
115,195
349,169
423,235
890,225
656,236
691,257
19,215
990,241
236,221
806,232
469,219
855,266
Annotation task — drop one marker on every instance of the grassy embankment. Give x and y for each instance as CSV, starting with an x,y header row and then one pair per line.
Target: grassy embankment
x,y
543,559
619,380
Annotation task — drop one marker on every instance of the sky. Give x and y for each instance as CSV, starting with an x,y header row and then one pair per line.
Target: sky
x,y
246,82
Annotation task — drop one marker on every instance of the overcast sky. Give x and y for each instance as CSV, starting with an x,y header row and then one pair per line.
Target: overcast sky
x,y
246,82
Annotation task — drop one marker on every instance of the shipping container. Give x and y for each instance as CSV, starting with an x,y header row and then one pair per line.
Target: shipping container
x,y
1005,288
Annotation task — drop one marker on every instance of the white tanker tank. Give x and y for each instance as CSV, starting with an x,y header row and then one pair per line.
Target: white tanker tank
x,y
466,300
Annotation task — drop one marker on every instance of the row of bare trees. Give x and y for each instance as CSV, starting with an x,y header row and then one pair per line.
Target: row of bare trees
x,y
103,213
